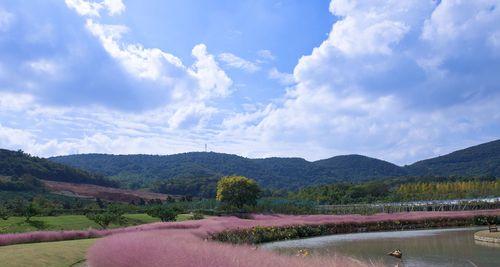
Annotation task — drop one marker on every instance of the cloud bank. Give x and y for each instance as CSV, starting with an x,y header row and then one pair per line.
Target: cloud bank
x,y
398,80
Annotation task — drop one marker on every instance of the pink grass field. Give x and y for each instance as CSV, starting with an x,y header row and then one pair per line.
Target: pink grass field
x,y
48,236
185,243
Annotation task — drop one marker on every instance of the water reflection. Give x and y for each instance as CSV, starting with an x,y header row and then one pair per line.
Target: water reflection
x,y
487,244
450,247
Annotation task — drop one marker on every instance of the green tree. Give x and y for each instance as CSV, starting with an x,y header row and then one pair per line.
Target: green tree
x,y
31,210
46,207
237,191
112,214
4,213
163,212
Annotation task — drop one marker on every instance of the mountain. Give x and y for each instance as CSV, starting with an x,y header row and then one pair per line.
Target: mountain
x,y
350,166
480,160
17,164
288,173
196,173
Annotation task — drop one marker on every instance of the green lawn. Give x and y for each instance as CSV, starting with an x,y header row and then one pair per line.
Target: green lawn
x,y
183,217
63,222
70,222
61,253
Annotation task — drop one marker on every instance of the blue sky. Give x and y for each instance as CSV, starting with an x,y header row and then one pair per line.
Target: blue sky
x,y
397,80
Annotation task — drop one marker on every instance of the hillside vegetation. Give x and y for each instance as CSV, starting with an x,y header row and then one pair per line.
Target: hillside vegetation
x,y
480,160
19,170
202,170
196,173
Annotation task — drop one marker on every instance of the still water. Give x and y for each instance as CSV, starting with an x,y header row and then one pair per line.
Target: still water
x,y
443,247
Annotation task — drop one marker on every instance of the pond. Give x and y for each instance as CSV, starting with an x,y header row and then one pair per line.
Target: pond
x,y
441,247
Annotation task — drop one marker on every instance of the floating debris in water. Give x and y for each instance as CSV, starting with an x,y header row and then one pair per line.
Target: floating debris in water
x,y
396,253
303,253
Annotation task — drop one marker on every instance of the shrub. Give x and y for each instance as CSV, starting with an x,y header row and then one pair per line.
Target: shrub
x,y
198,216
112,214
483,220
164,213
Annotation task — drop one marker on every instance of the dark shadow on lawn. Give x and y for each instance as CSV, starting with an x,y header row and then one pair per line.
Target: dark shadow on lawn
x,y
39,225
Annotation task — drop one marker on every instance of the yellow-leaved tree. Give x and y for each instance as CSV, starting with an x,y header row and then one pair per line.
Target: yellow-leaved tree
x,y
237,192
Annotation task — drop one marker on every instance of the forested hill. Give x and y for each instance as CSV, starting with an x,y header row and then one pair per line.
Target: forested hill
x,y
198,171
289,173
18,164
349,166
480,160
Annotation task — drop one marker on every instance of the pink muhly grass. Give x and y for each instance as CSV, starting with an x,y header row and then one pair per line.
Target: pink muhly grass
x,y
181,249
42,236
216,224
47,236
189,247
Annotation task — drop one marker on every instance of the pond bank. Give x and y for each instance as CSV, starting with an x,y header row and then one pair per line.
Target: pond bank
x,y
399,222
487,236
438,247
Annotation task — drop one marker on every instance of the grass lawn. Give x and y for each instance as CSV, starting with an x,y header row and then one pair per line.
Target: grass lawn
x,y
70,222
61,253
63,222
184,217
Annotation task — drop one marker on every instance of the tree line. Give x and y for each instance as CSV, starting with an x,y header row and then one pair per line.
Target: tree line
x,y
397,190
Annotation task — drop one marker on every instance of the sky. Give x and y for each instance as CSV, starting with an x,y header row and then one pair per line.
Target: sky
x,y
397,80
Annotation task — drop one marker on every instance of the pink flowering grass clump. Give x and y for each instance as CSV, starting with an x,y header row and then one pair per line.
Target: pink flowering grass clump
x,y
182,249
48,236
44,236
191,246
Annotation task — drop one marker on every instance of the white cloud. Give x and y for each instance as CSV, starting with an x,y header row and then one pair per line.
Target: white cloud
x,y
282,77
494,40
236,62
199,111
266,55
15,101
84,8
115,7
244,119
355,38
44,66
399,80
212,80
157,65
451,26
6,19
355,94
189,88
372,28
452,20
15,138
146,63
93,9
82,130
